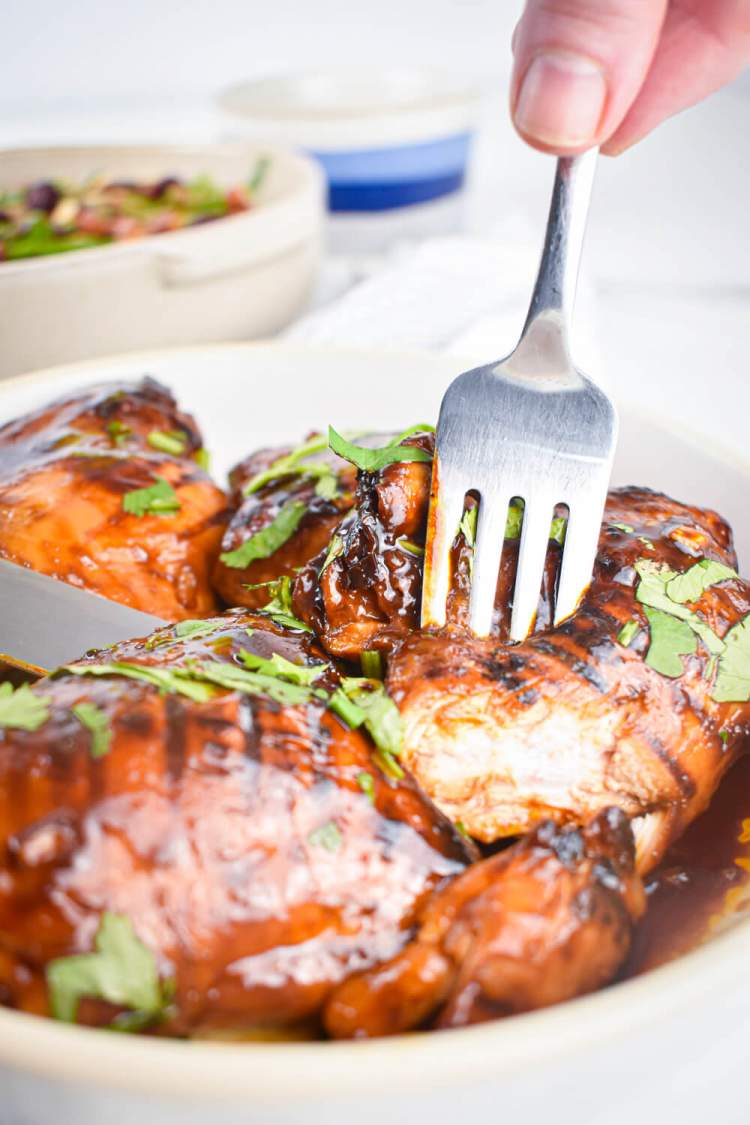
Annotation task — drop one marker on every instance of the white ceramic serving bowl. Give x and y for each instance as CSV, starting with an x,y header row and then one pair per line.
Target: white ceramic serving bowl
x,y
243,276
387,137
673,1042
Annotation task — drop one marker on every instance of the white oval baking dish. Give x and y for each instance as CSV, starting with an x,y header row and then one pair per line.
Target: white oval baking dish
x,y
243,276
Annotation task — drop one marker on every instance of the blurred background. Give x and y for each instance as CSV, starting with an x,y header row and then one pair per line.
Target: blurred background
x,y
664,307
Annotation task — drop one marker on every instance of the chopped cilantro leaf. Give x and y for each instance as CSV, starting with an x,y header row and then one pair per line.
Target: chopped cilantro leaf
x,y
624,527
327,487
21,709
122,971
724,736
652,591
670,639
514,520
335,548
261,684
173,442
118,432
690,586
196,628
96,721
371,460
302,674
349,712
328,836
411,548
172,681
158,499
366,782
372,664
279,609
267,541
732,684
628,632
382,716
289,465
202,459
461,829
468,526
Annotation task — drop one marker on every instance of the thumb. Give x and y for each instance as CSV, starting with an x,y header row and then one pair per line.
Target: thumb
x,y
579,65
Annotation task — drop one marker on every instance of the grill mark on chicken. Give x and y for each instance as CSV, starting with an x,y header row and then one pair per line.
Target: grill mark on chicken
x,y
204,834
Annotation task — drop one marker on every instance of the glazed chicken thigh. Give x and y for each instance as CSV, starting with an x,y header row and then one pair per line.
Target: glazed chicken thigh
x,y
102,490
573,720
259,849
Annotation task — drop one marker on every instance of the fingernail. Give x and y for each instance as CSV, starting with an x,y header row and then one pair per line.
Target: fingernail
x,y
561,100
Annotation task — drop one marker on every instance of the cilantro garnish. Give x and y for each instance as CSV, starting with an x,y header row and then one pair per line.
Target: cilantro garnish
x,y
173,442
628,632
335,548
732,683
513,525
267,541
663,592
118,432
371,460
372,664
366,782
328,836
302,674
289,465
411,548
171,681
690,586
671,638
96,721
468,526
624,527
21,709
159,499
279,609
652,592
197,628
183,630
202,459
381,715
233,678
122,971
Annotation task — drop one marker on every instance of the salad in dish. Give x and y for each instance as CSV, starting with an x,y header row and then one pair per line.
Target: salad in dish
x,y
301,816
55,216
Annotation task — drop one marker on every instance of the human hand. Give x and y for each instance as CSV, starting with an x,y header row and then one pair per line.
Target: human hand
x,y
606,72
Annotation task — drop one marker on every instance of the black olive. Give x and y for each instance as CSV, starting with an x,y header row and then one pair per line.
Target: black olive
x,y
42,196
157,190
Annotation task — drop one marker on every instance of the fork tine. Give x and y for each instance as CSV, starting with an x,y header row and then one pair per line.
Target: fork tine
x,y
446,507
581,538
532,553
493,515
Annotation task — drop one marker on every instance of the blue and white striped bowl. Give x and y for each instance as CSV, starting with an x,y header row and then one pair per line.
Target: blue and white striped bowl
x,y
386,139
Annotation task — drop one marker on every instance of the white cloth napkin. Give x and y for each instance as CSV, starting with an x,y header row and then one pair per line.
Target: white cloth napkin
x,y
464,294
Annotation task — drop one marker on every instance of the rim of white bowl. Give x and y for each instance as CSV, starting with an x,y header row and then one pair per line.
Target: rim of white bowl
x,y
356,109
309,180
188,1069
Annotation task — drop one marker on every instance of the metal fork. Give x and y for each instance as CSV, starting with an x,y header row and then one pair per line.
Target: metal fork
x,y
530,426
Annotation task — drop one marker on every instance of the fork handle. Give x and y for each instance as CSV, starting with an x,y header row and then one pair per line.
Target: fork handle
x,y
555,287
